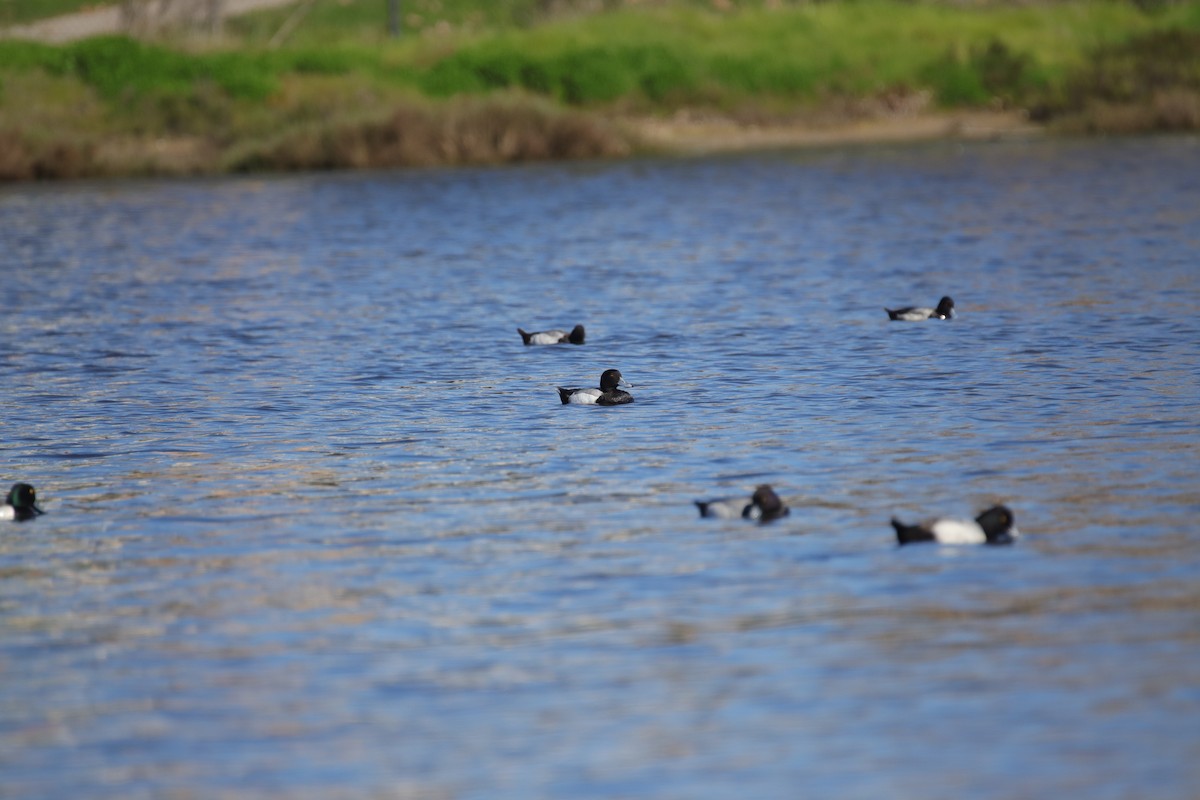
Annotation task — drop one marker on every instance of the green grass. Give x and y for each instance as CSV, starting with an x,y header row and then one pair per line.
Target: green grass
x,y
664,56
20,12
685,52
339,68
118,67
365,21
686,55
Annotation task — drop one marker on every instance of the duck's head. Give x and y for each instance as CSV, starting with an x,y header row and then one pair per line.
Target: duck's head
x,y
945,308
998,525
576,335
23,498
768,503
610,379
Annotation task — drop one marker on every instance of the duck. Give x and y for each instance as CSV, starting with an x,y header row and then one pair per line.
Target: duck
x,y
21,503
944,310
607,395
553,337
764,505
994,526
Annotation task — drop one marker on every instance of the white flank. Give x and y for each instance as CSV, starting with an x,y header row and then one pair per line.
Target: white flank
x,y
587,397
7,512
958,531
725,509
547,337
916,314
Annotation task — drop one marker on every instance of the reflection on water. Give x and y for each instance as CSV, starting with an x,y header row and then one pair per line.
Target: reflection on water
x,y
318,524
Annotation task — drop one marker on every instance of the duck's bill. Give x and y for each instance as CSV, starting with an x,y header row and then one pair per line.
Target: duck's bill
x,y
1008,537
625,383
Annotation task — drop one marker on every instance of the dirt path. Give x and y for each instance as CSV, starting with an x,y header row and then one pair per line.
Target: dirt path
x,y
695,137
108,20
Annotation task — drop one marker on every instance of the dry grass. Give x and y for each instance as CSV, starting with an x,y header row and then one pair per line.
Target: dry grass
x,y
1163,112
668,76
481,131
497,130
22,159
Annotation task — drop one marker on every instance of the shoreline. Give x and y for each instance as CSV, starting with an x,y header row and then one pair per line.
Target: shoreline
x,y
691,135
602,137
127,108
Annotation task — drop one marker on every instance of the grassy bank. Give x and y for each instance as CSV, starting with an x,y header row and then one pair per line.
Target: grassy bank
x,y
20,12
473,81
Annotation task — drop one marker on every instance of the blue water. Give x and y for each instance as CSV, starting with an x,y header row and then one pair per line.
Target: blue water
x,y
318,526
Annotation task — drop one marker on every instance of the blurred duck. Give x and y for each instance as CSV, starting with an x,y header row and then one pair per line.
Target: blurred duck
x,y
994,526
21,503
764,505
553,337
944,310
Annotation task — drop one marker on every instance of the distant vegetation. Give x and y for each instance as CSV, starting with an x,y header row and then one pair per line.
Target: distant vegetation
x,y
480,80
18,12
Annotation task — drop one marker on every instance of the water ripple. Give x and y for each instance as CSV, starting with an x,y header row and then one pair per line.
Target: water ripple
x,y
318,524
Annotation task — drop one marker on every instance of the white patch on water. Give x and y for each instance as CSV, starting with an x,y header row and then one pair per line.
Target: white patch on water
x,y
916,314
547,337
585,397
958,531
725,509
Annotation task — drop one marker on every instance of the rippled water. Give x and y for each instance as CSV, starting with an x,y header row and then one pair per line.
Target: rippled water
x,y
317,524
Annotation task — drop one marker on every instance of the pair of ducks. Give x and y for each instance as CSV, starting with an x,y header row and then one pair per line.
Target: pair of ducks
x,y
943,310
994,526
609,393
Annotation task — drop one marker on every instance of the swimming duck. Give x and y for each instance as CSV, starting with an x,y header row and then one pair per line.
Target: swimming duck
x,y
607,395
553,337
944,310
994,526
21,503
764,505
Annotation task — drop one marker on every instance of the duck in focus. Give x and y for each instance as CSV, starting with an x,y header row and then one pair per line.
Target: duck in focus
x,y
21,503
994,526
764,505
607,395
944,310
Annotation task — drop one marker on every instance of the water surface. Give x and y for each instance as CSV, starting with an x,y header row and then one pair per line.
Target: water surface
x,y
318,526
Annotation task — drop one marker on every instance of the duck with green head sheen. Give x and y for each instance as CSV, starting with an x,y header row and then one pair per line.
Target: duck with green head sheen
x,y
21,503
